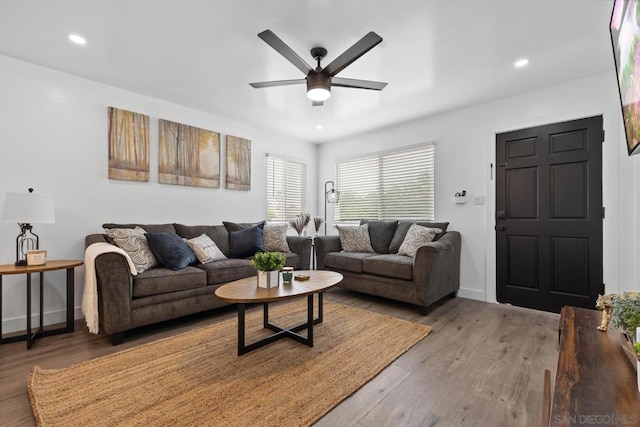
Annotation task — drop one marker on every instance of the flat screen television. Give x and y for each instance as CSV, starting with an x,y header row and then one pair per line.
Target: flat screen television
x,y
625,39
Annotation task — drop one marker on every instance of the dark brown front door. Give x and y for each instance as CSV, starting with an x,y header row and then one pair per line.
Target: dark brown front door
x,y
549,215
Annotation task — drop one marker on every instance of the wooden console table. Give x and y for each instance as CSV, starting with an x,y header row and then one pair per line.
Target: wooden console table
x,y
68,265
595,381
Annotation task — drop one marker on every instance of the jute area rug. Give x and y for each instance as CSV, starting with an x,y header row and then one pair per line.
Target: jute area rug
x,y
197,378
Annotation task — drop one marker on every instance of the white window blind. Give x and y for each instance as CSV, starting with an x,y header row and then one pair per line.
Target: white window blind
x,y
286,189
390,185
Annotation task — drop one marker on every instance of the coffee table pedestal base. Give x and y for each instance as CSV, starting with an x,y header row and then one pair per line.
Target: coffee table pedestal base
x,y
279,332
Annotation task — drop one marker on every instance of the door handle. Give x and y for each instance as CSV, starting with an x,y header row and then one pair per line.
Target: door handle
x,y
501,228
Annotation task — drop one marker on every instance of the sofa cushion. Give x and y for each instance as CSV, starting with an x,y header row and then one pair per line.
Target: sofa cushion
x,y
346,261
355,238
227,270
275,238
170,250
416,237
149,228
246,242
162,280
217,233
134,243
389,265
403,227
205,249
381,234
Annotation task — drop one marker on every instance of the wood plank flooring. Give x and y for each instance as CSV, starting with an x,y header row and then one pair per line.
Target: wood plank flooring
x,y
483,365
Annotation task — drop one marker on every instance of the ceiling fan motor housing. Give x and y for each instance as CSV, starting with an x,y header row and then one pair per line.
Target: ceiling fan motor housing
x,y
317,80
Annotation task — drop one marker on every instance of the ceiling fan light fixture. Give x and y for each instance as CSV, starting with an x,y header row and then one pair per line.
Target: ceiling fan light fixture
x,y
318,87
318,94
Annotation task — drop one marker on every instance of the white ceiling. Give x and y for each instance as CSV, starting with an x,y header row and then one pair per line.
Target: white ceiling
x,y
436,54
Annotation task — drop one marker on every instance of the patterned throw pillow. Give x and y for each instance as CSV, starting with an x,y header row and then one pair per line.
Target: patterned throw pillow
x,y
133,242
416,237
275,238
355,239
205,249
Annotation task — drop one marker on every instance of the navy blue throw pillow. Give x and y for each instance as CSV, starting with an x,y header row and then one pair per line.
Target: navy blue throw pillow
x,y
170,250
245,243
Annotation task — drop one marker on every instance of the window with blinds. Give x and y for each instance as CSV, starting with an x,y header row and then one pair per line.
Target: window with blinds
x,y
286,189
390,185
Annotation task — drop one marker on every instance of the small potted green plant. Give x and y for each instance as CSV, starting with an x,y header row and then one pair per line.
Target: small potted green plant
x,y
268,265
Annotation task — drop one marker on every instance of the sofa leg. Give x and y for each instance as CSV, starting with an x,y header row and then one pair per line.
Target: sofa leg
x,y
453,294
117,338
423,310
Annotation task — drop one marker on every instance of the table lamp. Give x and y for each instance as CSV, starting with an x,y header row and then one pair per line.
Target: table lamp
x,y
26,209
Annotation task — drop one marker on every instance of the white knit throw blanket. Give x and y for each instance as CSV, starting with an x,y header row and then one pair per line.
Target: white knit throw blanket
x,y
90,295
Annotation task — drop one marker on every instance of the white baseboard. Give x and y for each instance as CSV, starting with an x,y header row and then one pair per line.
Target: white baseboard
x,y
472,294
19,323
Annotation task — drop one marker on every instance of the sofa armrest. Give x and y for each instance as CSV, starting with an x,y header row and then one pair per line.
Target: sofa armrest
x,y
325,245
115,288
301,246
95,238
436,268
115,292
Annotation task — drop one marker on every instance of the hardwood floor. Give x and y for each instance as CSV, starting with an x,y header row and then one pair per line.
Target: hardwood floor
x,y
482,365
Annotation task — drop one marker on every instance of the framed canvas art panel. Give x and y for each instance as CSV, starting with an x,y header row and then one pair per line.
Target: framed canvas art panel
x,y
128,145
188,155
238,163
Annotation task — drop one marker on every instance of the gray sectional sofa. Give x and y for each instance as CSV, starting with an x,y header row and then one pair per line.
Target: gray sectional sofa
x,y
433,274
126,301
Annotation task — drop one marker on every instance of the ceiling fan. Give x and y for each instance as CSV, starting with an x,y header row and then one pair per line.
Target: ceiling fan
x,y
320,80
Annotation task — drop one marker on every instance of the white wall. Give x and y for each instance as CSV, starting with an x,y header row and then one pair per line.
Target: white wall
x,y
465,148
54,139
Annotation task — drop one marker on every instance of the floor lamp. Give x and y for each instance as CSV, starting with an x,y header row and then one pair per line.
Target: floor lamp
x,y
330,196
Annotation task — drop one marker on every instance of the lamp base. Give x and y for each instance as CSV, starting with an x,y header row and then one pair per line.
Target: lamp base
x,y
25,242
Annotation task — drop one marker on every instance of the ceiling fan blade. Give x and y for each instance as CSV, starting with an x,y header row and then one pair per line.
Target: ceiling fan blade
x,y
284,50
361,47
317,103
273,83
358,84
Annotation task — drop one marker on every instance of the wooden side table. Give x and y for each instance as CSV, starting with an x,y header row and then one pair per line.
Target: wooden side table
x,y
30,337
595,382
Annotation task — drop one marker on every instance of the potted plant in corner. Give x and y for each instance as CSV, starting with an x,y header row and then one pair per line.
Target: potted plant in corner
x,y
268,265
626,315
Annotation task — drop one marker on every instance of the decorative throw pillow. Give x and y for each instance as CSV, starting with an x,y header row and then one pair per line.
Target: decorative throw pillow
x,y
275,238
245,243
355,239
403,227
170,250
416,237
205,249
134,243
237,226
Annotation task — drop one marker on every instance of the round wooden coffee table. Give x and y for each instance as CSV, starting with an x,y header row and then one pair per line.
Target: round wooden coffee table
x,y
246,291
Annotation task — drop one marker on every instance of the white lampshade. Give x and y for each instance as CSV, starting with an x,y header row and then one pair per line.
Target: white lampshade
x,y
29,208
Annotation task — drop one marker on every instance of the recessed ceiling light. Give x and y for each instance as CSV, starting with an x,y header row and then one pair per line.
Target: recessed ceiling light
x,y
319,127
77,39
521,62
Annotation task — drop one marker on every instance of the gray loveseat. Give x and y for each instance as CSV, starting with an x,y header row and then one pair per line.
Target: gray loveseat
x,y
433,274
126,301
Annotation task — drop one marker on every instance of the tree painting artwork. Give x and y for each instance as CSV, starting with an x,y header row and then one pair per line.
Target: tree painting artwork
x,y
128,145
188,155
238,163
